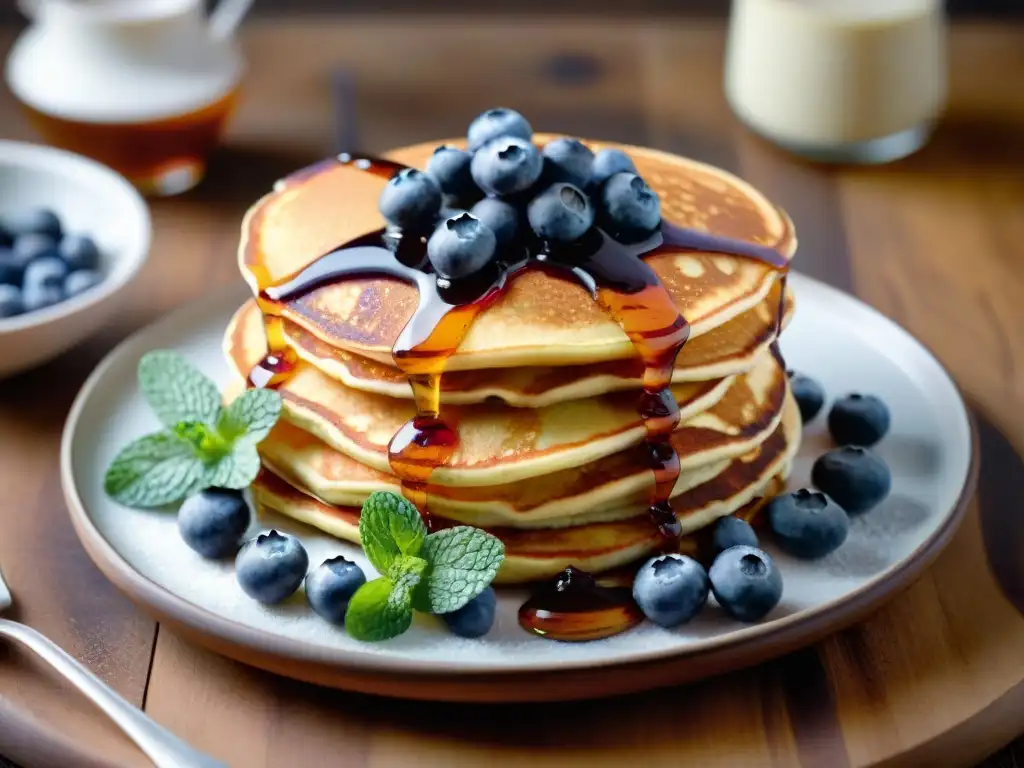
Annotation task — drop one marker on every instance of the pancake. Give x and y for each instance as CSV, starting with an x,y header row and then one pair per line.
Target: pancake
x,y
599,490
533,554
614,488
500,444
724,351
540,319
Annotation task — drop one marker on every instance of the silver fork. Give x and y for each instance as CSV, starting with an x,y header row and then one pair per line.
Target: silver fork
x,y
161,746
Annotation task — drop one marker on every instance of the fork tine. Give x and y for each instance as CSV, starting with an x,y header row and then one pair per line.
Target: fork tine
x,y
5,594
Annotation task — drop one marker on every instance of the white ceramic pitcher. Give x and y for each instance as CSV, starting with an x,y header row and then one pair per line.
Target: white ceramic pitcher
x,y
154,64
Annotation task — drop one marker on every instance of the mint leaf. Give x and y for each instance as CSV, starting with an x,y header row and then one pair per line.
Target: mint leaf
x,y
206,442
463,561
253,414
153,471
176,390
389,526
241,427
379,610
236,469
406,571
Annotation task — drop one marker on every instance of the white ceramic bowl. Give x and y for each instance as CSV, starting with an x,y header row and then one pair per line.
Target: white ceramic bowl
x,y
90,199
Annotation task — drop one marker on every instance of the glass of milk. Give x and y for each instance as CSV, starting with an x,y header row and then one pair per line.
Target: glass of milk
x,y
850,81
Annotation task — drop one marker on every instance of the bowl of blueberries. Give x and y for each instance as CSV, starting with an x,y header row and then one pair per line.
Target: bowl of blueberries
x,y
73,234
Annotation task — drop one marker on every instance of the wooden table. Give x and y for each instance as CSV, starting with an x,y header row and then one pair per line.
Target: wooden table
x,y
935,678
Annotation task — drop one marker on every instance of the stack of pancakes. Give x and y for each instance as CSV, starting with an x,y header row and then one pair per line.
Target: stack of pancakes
x,y
543,390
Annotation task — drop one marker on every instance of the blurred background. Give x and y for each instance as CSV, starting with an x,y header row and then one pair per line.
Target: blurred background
x,y
962,8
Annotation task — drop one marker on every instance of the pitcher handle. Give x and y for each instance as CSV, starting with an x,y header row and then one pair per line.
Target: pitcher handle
x,y
224,19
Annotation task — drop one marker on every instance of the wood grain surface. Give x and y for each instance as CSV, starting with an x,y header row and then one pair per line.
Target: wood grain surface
x,y
935,242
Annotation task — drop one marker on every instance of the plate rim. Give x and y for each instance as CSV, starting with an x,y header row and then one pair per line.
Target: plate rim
x,y
204,625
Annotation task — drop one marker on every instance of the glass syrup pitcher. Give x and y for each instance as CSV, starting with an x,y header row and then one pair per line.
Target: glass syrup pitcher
x,y
144,86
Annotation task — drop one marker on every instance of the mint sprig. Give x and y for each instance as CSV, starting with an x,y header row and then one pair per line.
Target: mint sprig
x,y
438,573
203,445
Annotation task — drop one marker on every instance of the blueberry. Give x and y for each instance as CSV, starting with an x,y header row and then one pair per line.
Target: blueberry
x,y
270,567
858,420
461,246
608,162
808,393
48,271
81,281
506,165
502,218
807,524
450,212
670,589
411,200
39,296
34,221
854,477
562,212
79,252
475,618
450,168
568,160
10,301
732,532
746,582
214,521
28,248
496,123
331,586
629,209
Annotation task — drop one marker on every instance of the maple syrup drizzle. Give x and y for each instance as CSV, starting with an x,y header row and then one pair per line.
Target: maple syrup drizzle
x,y
574,606
633,295
434,332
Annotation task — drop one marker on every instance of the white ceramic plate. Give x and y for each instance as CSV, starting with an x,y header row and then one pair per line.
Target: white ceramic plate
x,y
833,337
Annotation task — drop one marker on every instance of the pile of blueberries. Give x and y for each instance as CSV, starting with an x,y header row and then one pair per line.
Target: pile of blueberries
x,y
42,265
808,523
473,203
271,566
